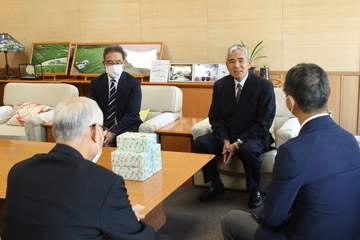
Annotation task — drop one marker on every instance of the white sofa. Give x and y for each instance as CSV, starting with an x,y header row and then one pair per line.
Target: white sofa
x,y
165,104
285,126
40,93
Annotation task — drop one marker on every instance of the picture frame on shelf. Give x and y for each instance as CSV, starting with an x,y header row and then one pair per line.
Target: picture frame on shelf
x,y
159,71
206,72
88,59
54,57
29,71
181,72
223,71
140,55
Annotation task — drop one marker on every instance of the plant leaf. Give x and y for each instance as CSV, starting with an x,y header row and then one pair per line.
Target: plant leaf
x,y
259,57
254,52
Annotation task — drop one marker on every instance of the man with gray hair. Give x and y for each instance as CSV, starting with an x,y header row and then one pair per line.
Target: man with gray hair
x,y
314,189
63,194
241,114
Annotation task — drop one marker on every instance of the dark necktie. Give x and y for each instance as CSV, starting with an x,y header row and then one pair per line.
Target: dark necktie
x,y
110,120
238,89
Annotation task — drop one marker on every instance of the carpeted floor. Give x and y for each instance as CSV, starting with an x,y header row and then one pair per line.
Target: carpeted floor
x,y
189,219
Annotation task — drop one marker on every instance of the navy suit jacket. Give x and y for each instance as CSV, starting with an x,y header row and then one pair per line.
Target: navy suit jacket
x,y
314,192
60,195
251,118
128,100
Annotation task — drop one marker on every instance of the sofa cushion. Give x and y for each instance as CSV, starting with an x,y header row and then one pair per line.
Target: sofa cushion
x,y
143,114
5,113
288,130
26,110
13,132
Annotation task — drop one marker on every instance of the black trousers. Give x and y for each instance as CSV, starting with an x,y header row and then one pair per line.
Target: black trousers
x,y
249,154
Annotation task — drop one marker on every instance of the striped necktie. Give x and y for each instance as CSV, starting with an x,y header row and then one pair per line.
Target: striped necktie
x,y
238,89
110,120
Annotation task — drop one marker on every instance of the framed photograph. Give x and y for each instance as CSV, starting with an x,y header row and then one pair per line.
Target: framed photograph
x,y
208,72
181,72
87,59
140,56
53,57
223,71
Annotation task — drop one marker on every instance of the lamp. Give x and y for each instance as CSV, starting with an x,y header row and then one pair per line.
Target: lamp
x,y
8,44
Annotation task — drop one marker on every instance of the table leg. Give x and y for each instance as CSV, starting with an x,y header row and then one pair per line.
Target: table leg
x,y
156,217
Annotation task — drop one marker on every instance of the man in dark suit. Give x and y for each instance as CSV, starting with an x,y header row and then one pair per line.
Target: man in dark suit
x,y
63,194
121,113
241,113
314,190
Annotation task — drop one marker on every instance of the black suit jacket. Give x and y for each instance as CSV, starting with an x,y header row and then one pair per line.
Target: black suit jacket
x,y
251,118
60,195
128,100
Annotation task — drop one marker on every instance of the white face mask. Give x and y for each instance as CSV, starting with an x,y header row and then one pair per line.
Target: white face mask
x,y
97,156
114,70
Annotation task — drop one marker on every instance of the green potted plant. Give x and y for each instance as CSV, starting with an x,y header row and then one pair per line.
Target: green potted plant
x,y
254,53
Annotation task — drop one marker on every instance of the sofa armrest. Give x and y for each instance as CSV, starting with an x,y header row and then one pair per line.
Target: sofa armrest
x,y
201,128
288,130
153,124
5,113
34,130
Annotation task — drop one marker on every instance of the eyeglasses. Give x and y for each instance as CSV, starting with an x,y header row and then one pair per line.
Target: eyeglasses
x,y
113,63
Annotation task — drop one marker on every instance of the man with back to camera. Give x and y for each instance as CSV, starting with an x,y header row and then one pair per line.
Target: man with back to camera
x,y
118,95
63,194
314,189
241,114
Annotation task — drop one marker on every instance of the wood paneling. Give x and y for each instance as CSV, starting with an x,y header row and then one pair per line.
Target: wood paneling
x,y
349,103
109,21
181,25
231,21
325,32
51,21
334,99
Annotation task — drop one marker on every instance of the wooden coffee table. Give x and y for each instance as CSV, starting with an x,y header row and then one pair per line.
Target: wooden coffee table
x,y
177,136
177,168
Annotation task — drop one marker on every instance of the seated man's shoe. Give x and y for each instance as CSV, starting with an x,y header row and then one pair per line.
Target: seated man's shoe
x,y
255,199
210,193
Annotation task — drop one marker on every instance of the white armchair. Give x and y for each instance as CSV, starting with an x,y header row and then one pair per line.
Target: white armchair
x,y
165,104
38,93
285,126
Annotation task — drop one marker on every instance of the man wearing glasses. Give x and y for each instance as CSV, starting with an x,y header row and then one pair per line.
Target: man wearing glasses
x,y
118,95
63,194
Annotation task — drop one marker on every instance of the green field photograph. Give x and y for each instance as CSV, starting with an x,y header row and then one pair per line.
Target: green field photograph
x,y
53,57
87,60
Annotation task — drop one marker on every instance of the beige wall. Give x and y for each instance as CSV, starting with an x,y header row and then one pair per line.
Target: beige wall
x,y
326,32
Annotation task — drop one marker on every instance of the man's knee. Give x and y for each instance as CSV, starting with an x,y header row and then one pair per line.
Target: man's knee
x,y
198,145
250,149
